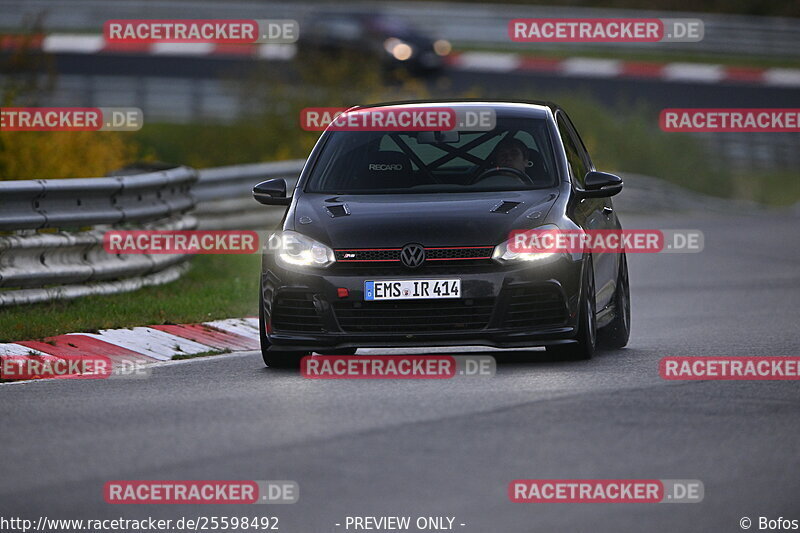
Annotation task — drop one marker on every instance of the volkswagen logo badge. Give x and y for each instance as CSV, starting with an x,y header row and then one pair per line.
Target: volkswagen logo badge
x,y
412,255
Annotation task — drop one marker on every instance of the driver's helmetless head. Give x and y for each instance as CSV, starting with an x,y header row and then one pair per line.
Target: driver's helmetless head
x,y
512,153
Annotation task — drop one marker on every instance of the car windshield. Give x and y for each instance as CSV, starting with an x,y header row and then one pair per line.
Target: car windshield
x,y
516,155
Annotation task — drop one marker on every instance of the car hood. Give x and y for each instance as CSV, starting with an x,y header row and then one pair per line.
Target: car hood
x,y
392,220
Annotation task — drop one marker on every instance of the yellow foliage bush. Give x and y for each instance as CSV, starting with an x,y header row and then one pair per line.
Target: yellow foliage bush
x,y
73,154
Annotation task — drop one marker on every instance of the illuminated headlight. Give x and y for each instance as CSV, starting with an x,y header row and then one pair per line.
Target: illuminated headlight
x,y
400,50
442,47
504,254
295,249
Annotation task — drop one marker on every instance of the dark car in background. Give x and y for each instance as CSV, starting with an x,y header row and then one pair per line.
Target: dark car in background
x,y
396,239
391,41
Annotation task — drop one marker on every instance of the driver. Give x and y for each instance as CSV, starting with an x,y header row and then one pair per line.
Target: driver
x,y
512,153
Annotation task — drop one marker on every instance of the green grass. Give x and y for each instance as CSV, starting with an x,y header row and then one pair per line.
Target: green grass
x,y
183,356
216,287
778,189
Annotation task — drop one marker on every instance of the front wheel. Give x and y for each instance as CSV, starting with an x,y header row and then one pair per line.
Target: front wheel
x,y
618,331
274,359
282,359
587,323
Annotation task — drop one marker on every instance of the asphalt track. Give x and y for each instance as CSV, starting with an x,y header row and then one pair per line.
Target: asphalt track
x,y
450,448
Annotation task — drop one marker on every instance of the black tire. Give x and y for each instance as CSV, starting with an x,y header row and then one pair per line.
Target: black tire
x,y
282,359
616,334
275,359
587,323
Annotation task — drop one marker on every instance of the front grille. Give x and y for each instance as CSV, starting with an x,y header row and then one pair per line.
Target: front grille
x,y
535,306
367,255
417,316
458,254
389,255
295,311
438,261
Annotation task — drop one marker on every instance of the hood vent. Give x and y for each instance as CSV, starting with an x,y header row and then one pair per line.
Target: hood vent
x,y
336,211
504,207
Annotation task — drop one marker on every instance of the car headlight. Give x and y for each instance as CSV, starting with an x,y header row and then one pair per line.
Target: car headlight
x,y
442,47
504,254
399,49
296,249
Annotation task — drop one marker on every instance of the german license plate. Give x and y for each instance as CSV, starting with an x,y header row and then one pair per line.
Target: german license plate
x,y
412,289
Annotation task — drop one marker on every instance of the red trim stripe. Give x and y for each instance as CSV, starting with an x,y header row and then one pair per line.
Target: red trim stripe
x,y
460,248
398,249
458,258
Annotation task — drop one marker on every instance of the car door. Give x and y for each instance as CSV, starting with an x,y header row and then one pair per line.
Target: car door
x,y
590,213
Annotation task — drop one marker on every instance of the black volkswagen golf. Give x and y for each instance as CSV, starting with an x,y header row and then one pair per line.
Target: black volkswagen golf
x,y
401,239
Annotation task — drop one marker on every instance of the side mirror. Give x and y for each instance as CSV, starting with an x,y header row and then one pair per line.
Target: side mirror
x,y
271,192
600,185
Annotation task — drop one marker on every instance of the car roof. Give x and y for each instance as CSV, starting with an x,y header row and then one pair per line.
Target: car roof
x,y
537,109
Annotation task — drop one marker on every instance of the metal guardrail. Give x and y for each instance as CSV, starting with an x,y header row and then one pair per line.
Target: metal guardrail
x,y
52,248
75,203
46,267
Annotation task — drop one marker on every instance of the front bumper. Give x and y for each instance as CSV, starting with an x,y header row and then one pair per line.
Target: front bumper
x,y
500,306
